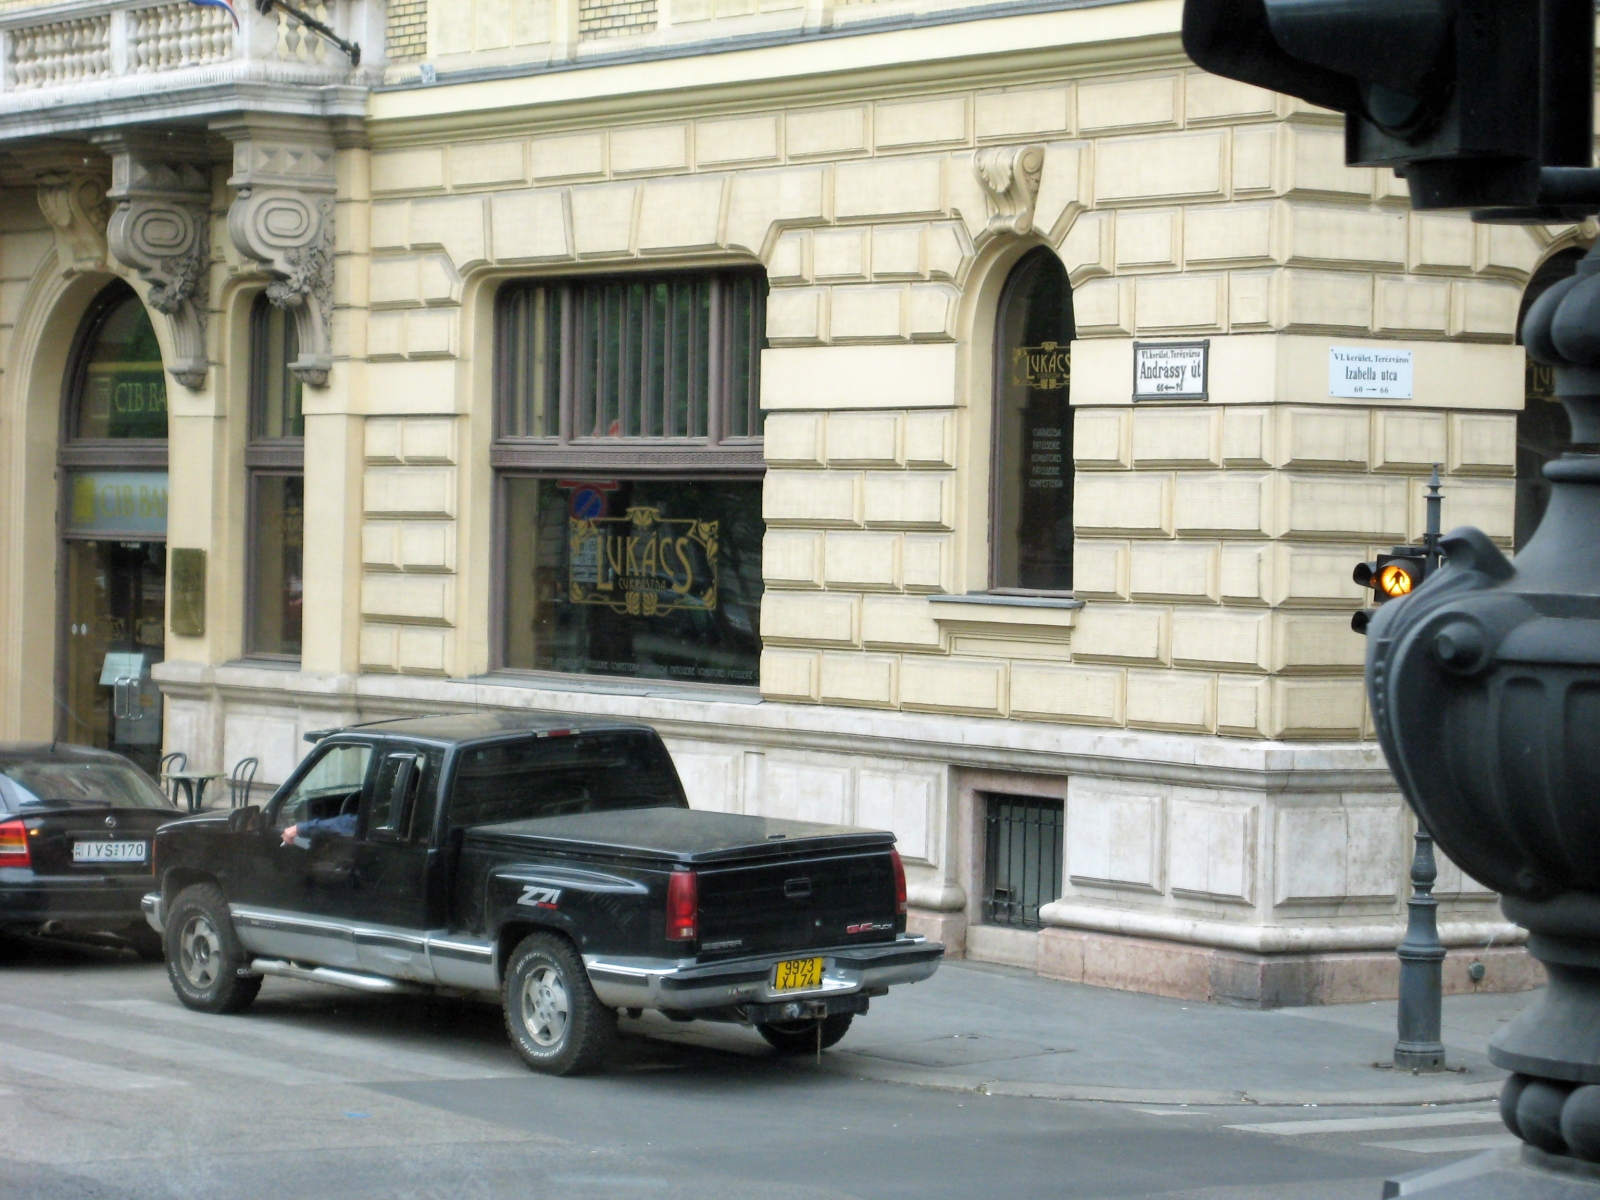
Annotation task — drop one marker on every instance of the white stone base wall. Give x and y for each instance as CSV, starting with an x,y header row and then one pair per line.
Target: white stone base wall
x,y
1257,850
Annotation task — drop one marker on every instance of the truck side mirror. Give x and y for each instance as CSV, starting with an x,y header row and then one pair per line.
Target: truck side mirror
x,y
244,820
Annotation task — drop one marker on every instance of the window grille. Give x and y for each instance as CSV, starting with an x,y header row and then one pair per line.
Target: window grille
x,y
1022,860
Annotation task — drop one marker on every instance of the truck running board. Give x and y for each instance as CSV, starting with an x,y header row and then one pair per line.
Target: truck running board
x,y
357,980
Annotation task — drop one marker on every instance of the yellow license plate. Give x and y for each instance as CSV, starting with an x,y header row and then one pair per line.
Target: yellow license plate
x,y
797,974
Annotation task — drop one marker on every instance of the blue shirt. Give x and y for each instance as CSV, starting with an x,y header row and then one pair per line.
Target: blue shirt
x,y
344,825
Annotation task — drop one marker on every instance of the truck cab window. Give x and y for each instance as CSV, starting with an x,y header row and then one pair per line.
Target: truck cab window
x,y
404,779
557,776
331,787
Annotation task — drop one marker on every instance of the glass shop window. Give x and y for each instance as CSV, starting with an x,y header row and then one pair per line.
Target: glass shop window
x,y
1032,464
629,466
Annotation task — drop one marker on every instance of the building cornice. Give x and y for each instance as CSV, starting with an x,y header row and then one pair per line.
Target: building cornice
x,y
1068,39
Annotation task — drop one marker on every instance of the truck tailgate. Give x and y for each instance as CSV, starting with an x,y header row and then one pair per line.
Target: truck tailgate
x,y
797,903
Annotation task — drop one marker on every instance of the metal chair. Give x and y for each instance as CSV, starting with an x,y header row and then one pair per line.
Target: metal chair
x,y
240,781
176,761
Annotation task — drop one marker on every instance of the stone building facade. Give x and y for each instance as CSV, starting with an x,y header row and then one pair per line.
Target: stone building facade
x,y
1154,771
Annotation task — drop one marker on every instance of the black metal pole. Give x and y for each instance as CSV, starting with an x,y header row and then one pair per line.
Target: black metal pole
x,y
1421,968
353,49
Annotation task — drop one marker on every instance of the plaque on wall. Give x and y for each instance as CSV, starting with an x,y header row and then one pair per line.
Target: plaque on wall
x,y
188,592
1171,370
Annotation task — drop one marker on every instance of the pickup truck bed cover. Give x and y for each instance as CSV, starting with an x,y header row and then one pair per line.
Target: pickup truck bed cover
x,y
679,834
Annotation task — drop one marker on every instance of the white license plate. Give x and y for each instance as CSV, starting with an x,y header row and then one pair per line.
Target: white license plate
x,y
123,852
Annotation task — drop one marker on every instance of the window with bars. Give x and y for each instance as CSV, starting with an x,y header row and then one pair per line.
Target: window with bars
x,y
628,458
1022,858
650,358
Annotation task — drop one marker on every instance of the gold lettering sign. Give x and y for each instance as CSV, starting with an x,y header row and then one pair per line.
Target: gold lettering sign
x,y
643,564
188,592
1046,367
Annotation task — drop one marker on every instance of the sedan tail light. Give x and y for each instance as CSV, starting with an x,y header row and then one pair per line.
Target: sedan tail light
x,y
683,907
899,883
14,851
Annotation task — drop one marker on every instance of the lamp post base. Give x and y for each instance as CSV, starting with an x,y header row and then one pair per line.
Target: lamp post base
x,y
1522,1172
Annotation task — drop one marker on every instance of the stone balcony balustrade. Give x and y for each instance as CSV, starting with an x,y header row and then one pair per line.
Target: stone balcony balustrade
x,y
66,68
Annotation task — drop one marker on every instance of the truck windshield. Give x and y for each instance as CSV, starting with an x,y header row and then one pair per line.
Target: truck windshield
x,y
555,776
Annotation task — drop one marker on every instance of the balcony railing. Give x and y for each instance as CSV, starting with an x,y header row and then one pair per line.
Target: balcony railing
x,y
109,45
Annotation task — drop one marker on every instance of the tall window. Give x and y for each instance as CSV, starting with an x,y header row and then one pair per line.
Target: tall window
x,y
1032,464
629,464
1543,431
275,459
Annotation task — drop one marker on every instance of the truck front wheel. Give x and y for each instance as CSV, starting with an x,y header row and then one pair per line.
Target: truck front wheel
x,y
555,1020
204,957
801,1037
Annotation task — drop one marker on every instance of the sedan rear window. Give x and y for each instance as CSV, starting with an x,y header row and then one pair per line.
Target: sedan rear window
x,y
118,785
554,776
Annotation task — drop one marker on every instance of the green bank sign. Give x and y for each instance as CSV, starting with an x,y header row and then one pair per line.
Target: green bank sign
x,y
125,504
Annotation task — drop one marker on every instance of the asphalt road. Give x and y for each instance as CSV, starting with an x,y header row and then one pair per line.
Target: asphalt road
x,y
109,1089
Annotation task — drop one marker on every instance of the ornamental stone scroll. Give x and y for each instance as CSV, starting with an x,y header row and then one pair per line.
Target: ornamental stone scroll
x,y
283,217
1010,178
161,228
70,182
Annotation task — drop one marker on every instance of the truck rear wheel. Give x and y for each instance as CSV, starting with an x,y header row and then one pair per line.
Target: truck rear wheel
x,y
800,1037
553,1017
204,956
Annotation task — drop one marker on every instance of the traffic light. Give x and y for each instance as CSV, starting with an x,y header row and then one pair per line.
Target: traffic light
x,y
1466,98
1392,577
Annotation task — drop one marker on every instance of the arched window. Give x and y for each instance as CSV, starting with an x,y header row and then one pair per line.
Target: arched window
x,y
119,390
1543,431
113,462
1032,493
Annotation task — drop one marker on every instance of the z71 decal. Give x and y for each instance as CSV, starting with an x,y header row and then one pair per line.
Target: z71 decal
x,y
537,896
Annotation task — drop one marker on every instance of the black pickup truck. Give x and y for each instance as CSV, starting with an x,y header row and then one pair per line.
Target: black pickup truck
x,y
555,863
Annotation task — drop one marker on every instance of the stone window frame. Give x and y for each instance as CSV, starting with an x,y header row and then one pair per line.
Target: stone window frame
x,y
512,457
264,457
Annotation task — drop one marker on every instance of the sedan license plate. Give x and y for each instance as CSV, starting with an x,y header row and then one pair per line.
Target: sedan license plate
x,y
114,852
797,974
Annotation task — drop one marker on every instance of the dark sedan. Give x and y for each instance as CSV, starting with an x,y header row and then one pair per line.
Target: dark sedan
x,y
76,827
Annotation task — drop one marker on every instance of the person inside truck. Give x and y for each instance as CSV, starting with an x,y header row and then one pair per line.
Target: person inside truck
x,y
344,825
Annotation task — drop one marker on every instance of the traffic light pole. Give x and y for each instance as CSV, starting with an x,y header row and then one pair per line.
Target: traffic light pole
x,y
1421,953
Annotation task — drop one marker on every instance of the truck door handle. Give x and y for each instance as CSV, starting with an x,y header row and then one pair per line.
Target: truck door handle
x,y
798,888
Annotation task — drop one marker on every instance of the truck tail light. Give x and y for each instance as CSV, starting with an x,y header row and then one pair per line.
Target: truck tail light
x,y
14,851
683,906
899,883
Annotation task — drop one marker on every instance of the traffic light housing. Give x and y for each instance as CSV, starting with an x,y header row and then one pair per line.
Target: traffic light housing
x,y
1466,98
1391,577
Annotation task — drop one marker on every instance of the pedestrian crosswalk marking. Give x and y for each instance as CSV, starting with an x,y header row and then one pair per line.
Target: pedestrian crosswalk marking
x,y
1373,1124
71,1070
392,1061
188,1054
1449,1145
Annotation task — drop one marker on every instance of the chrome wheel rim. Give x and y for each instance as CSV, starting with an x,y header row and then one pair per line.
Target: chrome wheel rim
x,y
199,952
546,1007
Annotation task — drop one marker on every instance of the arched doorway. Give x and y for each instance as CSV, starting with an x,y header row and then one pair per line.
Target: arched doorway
x,y
1543,431
114,531
1031,506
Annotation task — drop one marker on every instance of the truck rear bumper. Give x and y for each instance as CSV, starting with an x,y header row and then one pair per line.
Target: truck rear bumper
x,y
673,986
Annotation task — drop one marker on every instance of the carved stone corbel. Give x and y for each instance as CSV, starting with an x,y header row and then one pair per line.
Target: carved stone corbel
x,y
283,218
161,228
1010,177
70,180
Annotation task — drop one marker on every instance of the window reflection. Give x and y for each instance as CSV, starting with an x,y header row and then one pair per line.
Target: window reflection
x,y
659,579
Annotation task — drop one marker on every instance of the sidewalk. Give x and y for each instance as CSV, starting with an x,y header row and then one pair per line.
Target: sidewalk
x,y
1007,1032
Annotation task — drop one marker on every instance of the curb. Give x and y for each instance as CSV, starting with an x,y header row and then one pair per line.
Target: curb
x,y
845,1063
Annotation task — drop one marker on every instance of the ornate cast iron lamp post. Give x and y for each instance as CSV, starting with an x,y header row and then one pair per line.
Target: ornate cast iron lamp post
x,y
1485,687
